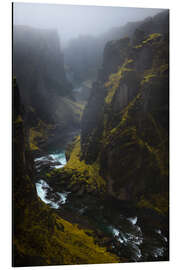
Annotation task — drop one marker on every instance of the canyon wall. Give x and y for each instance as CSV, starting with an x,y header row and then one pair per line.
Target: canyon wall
x,y
125,124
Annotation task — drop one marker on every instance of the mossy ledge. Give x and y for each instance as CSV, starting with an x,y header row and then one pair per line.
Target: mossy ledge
x,y
77,172
114,80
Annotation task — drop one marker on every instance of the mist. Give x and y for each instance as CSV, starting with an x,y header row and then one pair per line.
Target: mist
x,y
72,21
90,127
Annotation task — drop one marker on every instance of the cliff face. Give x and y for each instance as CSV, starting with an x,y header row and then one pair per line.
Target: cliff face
x,y
82,58
38,65
84,55
125,124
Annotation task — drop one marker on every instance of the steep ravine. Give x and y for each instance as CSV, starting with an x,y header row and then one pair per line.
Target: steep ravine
x,y
97,192
40,235
120,160
95,188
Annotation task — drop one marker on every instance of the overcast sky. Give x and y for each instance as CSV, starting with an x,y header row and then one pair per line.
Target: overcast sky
x,y
72,21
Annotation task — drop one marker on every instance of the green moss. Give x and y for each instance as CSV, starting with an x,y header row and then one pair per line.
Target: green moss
x,y
78,172
126,110
125,114
163,68
57,241
41,131
138,46
158,202
18,120
152,37
114,80
113,130
156,71
69,112
128,128
44,128
148,75
76,107
158,155
79,244
33,135
87,173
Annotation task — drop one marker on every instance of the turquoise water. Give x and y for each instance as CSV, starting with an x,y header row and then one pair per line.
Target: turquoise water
x,y
130,238
42,187
59,157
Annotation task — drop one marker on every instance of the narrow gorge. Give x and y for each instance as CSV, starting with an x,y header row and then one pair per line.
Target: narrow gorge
x,y
91,145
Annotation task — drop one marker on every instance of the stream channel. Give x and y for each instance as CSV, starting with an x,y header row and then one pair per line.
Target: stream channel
x,y
131,233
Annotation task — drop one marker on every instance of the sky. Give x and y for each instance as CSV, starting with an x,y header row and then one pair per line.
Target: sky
x,y
73,20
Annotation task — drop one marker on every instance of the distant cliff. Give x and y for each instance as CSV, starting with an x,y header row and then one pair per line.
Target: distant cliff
x,y
38,65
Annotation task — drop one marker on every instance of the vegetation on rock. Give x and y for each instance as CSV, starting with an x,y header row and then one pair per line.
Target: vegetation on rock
x,y
121,153
41,237
78,172
135,133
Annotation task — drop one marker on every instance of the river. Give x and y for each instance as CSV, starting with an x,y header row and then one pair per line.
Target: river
x,y
128,230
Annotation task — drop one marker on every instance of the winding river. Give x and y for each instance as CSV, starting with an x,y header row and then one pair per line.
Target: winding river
x,y
129,231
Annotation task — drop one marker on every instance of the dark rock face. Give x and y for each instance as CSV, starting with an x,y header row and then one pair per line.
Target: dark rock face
x,y
128,131
38,65
23,189
92,124
114,55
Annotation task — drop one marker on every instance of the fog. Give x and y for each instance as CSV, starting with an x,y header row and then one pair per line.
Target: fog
x,y
72,21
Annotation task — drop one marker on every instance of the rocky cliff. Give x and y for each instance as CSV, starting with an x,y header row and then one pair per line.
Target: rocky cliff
x,y
38,65
84,55
125,124
121,154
